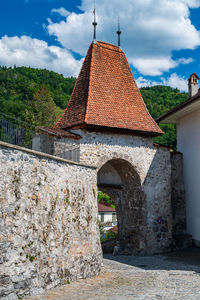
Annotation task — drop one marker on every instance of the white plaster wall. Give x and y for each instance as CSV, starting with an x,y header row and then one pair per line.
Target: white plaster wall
x,y
188,141
107,217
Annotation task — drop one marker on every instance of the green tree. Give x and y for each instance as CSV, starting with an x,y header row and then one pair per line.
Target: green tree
x,y
18,85
160,99
42,110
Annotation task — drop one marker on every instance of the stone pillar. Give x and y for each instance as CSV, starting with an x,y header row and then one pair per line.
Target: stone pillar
x,y
178,193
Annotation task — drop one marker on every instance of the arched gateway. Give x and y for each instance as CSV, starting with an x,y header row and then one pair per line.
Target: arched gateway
x,y
121,182
107,118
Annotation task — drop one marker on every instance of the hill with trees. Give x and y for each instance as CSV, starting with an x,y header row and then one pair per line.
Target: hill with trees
x,y
39,97
19,86
160,99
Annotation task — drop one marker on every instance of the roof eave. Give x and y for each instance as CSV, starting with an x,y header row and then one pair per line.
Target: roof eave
x,y
175,114
57,132
100,128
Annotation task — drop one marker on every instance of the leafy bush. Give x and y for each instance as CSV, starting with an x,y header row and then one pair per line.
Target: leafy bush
x,y
108,236
105,199
103,196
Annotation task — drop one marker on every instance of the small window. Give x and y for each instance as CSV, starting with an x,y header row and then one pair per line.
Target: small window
x,y
114,219
102,217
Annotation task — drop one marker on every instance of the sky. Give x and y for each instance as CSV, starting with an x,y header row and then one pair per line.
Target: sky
x,y
161,38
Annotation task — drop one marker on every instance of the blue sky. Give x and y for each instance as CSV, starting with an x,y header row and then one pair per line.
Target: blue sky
x,y
160,38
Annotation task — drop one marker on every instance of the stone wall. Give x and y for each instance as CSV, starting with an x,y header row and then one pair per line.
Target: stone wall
x,y
49,234
178,194
153,166
48,219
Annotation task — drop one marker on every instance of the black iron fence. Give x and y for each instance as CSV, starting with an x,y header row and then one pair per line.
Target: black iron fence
x,y
23,134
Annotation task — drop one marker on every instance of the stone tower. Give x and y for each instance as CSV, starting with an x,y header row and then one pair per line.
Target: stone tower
x,y
114,130
193,85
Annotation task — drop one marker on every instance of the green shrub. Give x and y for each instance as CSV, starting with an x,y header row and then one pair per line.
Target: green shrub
x,y
108,236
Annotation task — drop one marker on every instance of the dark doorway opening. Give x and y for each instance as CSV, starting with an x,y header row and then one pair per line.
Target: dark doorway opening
x,y
118,179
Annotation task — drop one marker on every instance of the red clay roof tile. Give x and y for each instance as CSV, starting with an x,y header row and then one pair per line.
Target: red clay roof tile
x,y
106,94
105,208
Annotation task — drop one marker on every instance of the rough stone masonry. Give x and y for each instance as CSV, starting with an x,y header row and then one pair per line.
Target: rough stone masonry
x,y
144,205
49,233
48,222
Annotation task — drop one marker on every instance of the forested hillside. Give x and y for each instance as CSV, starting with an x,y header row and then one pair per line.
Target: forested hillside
x,y
18,86
26,93
159,99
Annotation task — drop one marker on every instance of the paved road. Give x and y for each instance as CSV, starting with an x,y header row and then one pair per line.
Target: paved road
x,y
173,276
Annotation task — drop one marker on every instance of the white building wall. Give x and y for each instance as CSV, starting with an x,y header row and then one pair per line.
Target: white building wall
x,y
107,216
188,142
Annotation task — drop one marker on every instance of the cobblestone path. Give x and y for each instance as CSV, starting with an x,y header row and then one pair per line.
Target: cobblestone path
x,y
176,276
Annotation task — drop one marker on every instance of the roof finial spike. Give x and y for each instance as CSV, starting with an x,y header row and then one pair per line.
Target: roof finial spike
x,y
119,32
94,23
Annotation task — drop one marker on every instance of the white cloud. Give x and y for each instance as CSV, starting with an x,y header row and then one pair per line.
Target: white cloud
x,y
143,82
173,81
25,51
185,61
153,66
191,3
151,30
61,11
156,66
176,81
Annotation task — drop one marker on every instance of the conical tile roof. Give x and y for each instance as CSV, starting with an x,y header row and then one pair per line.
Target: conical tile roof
x,y
106,95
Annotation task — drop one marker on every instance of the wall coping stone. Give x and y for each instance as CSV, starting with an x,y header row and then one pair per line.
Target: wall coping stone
x,y
6,145
176,152
158,145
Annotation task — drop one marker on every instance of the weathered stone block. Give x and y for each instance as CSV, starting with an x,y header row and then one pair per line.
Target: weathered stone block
x,y
43,227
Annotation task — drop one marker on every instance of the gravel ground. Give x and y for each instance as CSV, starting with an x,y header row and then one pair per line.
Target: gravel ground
x,y
170,276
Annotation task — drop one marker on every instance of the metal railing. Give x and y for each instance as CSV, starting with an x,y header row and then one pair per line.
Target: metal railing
x,y
20,133
15,132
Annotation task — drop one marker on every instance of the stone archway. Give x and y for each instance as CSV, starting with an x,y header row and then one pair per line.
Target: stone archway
x,y
119,179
